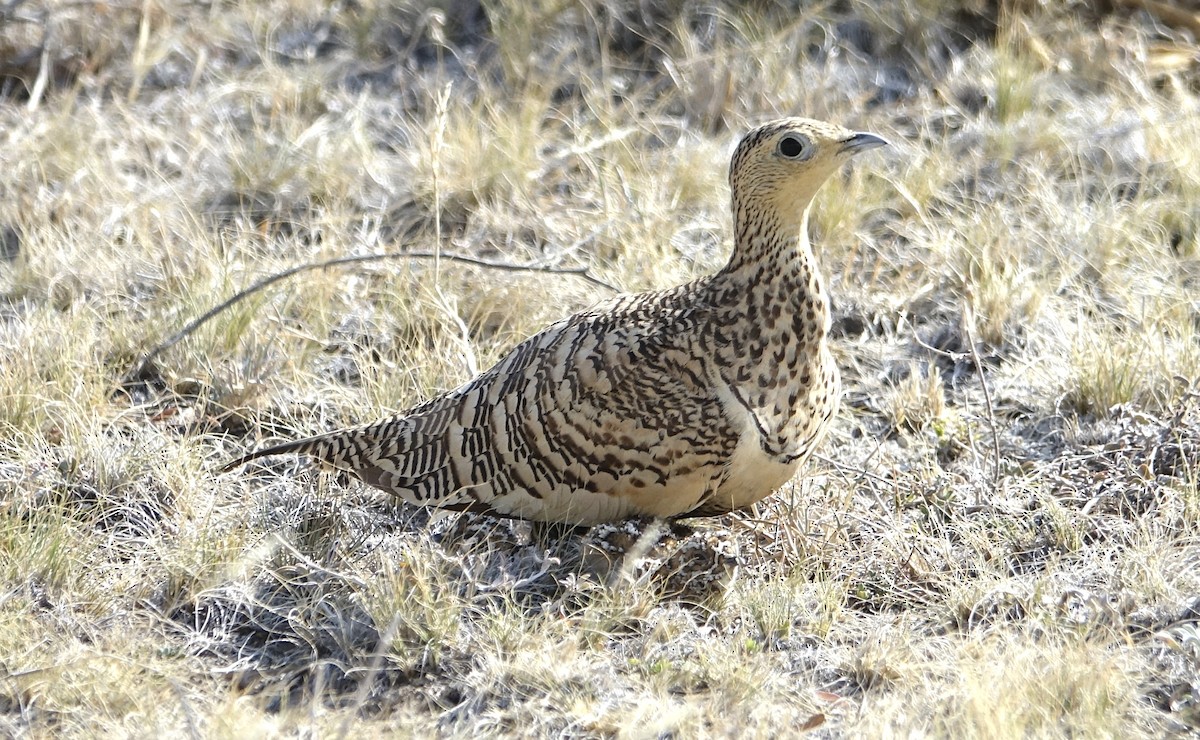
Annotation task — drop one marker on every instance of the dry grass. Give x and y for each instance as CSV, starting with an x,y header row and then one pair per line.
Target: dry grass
x,y
1018,274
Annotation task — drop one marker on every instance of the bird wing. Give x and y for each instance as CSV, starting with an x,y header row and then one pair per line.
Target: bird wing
x,y
608,413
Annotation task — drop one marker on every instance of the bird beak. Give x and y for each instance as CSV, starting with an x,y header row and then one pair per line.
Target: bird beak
x,y
861,142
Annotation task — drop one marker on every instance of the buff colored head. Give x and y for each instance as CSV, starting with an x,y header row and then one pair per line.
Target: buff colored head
x,y
779,166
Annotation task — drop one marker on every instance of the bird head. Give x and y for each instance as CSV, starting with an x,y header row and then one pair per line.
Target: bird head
x,y
778,167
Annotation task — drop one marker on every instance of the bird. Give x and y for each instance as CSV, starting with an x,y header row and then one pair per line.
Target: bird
x,y
692,401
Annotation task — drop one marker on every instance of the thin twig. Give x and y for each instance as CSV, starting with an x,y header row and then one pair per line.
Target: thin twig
x,y
189,715
862,472
949,355
140,369
382,648
968,324
955,357
314,565
441,110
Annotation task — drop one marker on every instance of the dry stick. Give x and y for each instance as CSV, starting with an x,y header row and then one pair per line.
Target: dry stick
x,y
954,357
439,137
139,370
1169,14
968,324
382,648
189,715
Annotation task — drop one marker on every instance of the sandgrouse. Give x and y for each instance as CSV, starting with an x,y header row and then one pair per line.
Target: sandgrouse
x,y
692,401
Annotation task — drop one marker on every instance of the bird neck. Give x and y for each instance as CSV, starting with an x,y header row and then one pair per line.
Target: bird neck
x,y
770,245
772,277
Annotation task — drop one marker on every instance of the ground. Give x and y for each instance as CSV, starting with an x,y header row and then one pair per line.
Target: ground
x,y
1000,538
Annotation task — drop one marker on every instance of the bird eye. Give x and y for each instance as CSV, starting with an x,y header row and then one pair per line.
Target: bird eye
x,y
792,147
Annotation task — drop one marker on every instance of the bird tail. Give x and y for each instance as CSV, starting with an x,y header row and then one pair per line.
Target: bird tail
x,y
316,446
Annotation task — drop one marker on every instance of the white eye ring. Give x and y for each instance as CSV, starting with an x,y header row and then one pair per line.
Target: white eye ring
x,y
794,146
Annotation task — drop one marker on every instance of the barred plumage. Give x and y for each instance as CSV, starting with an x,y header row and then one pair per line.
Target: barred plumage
x,y
692,401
